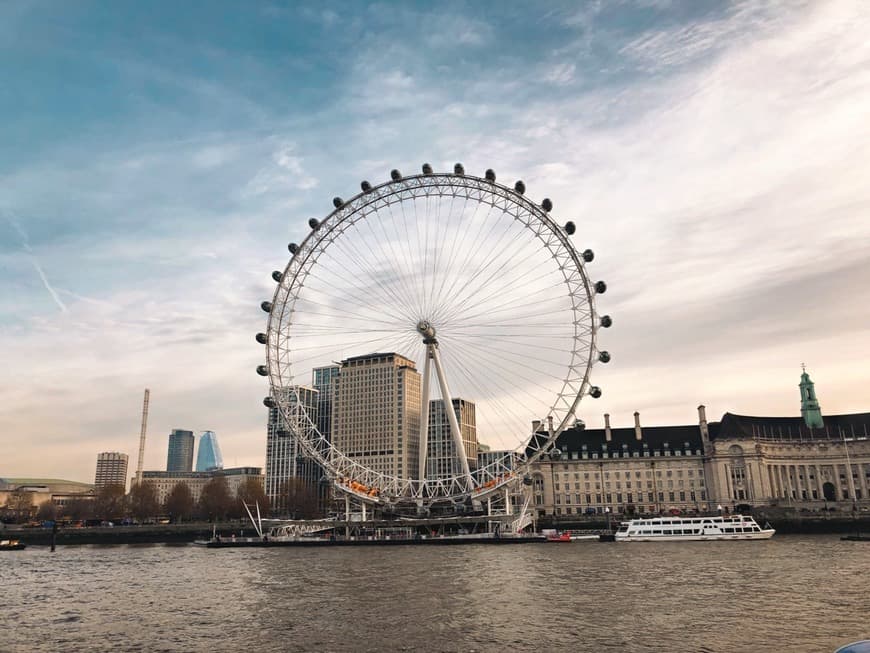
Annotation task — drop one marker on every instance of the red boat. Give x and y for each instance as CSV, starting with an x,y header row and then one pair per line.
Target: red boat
x,y
559,537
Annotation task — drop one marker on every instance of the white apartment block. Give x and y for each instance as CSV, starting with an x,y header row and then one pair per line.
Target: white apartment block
x,y
111,469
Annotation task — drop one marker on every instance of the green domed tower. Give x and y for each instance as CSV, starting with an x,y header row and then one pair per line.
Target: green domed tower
x,y
810,410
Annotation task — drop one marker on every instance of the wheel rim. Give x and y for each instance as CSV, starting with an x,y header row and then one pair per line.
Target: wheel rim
x,y
421,288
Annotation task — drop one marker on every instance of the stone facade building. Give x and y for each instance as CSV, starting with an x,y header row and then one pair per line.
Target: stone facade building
x,y
625,470
809,462
164,481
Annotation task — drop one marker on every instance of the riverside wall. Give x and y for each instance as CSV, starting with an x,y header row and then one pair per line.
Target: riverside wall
x,y
785,521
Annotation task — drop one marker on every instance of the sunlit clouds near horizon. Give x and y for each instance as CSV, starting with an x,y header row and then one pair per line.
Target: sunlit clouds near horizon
x,y
155,160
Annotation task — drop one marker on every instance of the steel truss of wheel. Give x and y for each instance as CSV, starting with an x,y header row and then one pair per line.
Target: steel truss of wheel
x,y
350,474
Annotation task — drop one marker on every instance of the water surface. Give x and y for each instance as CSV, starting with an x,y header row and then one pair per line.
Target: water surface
x,y
791,593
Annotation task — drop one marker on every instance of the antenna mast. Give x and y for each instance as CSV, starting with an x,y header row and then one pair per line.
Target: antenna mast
x,y
142,436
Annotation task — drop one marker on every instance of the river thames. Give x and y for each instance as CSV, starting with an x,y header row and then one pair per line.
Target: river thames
x,y
791,593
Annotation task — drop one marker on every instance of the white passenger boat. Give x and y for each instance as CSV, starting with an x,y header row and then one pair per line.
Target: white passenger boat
x,y
674,529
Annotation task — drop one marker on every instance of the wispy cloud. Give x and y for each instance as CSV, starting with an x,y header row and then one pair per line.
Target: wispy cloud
x,y
717,167
25,245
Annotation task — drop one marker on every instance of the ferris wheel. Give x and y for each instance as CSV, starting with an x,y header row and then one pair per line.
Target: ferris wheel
x,y
454,323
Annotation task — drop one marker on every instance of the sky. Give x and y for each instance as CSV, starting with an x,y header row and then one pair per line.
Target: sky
x,y
155,159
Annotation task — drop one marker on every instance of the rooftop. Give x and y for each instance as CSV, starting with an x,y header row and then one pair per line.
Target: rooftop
x,y
836,427
54,484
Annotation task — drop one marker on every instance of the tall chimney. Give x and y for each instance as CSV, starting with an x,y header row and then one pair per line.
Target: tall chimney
x,y
637,432
702,425
607,434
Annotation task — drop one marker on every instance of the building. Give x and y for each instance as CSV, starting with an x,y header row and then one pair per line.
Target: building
x,y
502,460
441,458
376,413
626,470
111,469
809,462
286,459
164,481
179,456
324,381
37,491
208,455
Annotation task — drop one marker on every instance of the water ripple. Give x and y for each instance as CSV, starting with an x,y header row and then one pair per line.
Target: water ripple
x,y
800,594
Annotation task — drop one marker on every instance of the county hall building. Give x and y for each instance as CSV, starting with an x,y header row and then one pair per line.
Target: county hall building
x,y
811,461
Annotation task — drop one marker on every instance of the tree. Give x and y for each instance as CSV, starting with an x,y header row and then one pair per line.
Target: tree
x,y
300,499
179,503
251,492
110,502
47,511
143,501
215,500
79,508
19,504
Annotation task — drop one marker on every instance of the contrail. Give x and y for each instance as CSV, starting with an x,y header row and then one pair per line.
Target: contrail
x,y
25,245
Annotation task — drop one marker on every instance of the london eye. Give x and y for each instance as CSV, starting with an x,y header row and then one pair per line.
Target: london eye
x,y
480,294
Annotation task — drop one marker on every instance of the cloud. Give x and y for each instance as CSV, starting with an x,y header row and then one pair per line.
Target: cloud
x,y
560,74
716,167
25,245
283,175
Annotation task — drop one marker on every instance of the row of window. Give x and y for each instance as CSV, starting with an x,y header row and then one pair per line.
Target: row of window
x,y
618,485
629,497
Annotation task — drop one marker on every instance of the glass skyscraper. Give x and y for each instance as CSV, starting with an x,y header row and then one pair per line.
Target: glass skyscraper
x,y
208,457
179,457
286,461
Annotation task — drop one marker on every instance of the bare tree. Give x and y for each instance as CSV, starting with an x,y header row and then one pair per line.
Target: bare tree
x,y
143,501
79,508
110,502
215,500
19,505
300,499
179,503
252,493
47,511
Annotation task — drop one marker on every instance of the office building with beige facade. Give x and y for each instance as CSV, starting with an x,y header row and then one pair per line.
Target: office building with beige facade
x,y
376,413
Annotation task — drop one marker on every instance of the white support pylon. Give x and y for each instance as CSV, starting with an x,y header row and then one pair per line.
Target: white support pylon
x,y
451,416
424,417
